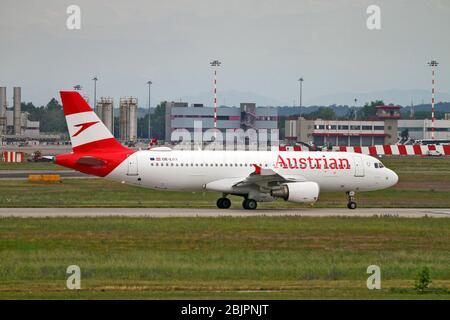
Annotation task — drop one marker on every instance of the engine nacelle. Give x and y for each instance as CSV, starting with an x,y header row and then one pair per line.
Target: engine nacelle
x,y
304,192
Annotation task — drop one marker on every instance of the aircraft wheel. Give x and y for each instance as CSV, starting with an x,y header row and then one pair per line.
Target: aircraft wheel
x,y
249,204
351,205
223,203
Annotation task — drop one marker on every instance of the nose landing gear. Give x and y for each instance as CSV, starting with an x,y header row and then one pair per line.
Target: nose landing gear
x,y
351,204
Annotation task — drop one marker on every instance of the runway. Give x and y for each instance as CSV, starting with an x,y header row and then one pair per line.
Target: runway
x,y
180,212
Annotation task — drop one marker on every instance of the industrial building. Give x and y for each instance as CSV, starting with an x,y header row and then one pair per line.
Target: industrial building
x,y
422,129
383,130
179,116
15,123
128,113
128,119
105,111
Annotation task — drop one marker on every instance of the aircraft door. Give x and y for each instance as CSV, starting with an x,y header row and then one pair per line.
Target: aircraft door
x,y
132,165
359,166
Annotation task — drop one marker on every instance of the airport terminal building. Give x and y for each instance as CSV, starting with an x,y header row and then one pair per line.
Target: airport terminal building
x,y
387,129
383,130
422,129
181,116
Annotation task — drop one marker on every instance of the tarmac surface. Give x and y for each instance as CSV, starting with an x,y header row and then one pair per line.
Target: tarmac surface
x,y
180,212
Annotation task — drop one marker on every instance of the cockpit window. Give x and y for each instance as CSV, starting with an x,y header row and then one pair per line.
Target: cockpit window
x,y
376,165
381,165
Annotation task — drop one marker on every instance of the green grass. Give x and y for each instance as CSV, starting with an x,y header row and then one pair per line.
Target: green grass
x,y
30,166
103,193
229,258
251,257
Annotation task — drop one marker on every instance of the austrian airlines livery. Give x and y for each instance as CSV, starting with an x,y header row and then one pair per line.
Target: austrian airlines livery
x,y
255,175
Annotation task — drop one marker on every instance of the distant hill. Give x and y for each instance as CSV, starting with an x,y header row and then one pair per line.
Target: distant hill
x,y
395,96
231,98
342,111
439,107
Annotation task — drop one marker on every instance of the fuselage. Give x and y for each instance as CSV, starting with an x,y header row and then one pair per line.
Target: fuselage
x,y
254,175
195,170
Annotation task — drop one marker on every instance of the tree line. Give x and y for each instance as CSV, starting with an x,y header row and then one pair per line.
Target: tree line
x,y
51,119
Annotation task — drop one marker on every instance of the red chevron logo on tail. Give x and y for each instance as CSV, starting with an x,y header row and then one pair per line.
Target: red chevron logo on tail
x,y
84,126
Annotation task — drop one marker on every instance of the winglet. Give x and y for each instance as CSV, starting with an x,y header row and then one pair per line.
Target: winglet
x,y
257,169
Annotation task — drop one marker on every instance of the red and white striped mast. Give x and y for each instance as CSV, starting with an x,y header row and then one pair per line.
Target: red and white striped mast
x,y
433,64
215,64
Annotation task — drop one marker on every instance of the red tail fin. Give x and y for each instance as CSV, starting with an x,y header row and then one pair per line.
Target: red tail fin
x,y
95,150
87,132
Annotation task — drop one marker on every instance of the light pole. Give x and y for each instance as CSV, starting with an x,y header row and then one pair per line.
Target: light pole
x,y
215,64
433,64
356,104
300,80
149,103
95,93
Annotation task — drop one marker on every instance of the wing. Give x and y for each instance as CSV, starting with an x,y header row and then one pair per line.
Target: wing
x,y
266,177
261,180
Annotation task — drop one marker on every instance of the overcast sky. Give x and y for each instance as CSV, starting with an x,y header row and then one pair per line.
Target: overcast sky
x,y
264,47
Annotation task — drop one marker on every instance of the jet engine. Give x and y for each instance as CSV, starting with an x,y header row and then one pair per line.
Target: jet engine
x,y
305,192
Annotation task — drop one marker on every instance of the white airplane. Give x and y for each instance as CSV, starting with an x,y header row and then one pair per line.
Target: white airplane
x,y
255,175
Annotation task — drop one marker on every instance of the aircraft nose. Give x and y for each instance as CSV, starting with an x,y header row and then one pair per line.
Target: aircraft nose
x,y
392,177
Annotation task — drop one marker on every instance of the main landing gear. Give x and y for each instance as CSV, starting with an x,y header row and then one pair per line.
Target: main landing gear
x,y
351,204
249,204
223,203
